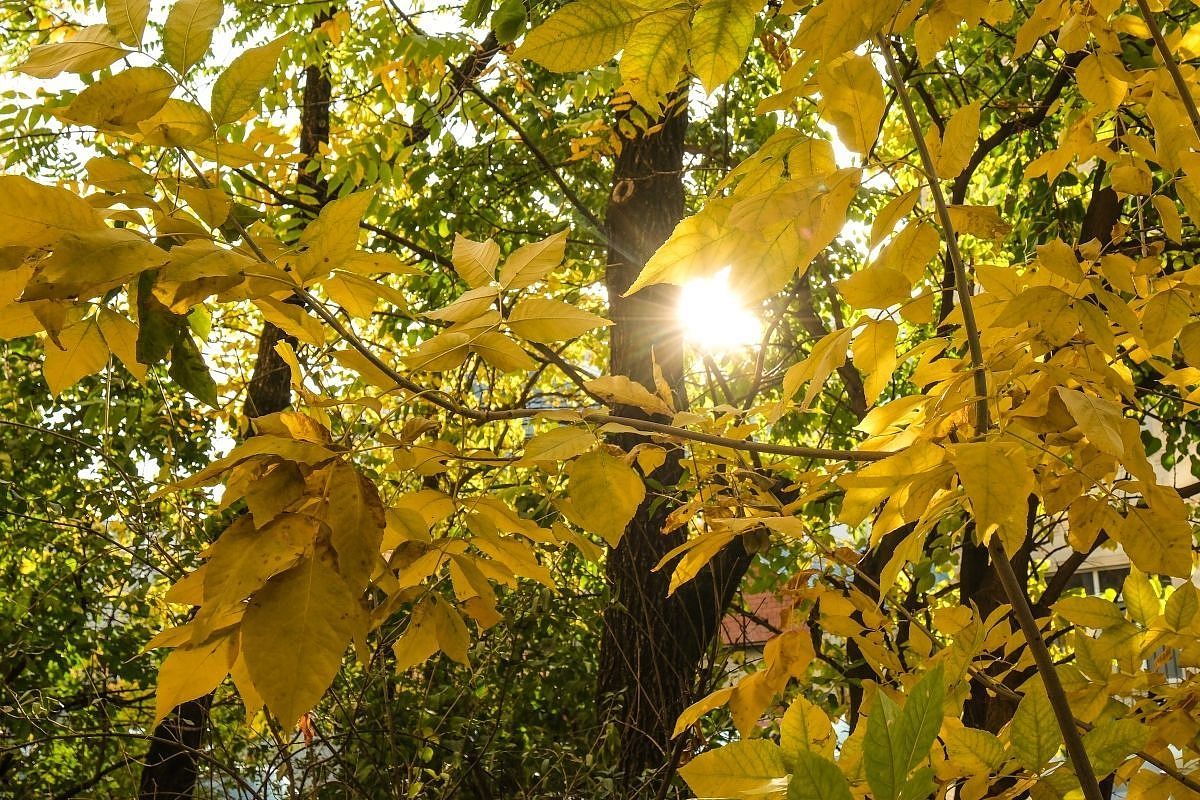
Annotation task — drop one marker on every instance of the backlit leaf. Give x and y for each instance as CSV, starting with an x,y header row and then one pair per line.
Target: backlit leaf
x,y
998,483
722,31
238,87
189,31
751,768
604,493
88,50
537,319
655,53
578,36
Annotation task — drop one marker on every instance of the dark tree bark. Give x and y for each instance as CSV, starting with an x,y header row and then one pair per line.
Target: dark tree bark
x,y
653,645
170,768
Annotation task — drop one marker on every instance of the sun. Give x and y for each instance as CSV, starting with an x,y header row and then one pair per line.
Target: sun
x,y
714,318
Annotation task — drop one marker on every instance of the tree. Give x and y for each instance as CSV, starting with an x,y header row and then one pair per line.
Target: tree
x,y
975,284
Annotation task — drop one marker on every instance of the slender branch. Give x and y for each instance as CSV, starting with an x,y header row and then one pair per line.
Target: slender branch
x,y
1008,578
970,326
447,403
1164,50
547,165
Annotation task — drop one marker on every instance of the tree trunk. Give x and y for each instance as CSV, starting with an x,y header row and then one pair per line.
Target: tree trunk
x,y
170,767
653,645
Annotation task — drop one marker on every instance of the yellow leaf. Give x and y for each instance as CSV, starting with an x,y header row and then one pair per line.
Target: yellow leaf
x,y
332,237
443,352
419,640
529,264
32,215
981,221
90,49
191,671
697,553
188,32
117,176
618,390
292,320
896,209
1172,223
875,287
502,352
655,54
747,768
998,483
1157,543
1098,418
121,337
1101,79
805,727
852,100
452,635
294,634
580,35
475,262
356,295
177,124
237,89
537,319
355,519
699,708
875,356
604,493
1033,734
1140,597
83,353
958,143
127,18
722,31
468,306
1090,612
242,560
211,205
123,100
558,444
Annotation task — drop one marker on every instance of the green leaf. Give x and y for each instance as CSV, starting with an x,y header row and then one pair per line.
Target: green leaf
x,y
294,634
919,722
158,327
190,372
722,32
815,777
1034,734
188,31
88,50
655,53
238,87
578,36
882,760
127,18
509,20
748,768
1112,741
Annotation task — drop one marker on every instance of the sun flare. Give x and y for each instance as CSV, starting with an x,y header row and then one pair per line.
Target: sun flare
x,y
714,318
